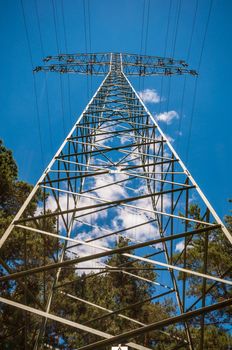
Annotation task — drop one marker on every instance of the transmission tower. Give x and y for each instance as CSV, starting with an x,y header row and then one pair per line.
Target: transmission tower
x,y
116,175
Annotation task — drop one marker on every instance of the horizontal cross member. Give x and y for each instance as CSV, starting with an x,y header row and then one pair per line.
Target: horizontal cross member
x,y
102,63
109,252
102,344
106,203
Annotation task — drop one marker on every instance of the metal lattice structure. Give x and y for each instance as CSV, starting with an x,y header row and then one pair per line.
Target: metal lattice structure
x,y
116,175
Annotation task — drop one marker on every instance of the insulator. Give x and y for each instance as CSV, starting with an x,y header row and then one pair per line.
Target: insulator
x,y
37,69
48,58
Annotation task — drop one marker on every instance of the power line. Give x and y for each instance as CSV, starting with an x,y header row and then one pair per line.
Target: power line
x,y
90,44
177,27
142,29
168,27
90,41
146,33
34,83
193,28
187,60
196,81
86,45
46,84
66,48
175,32
60,79
55,25
64,26
147,27
165,51
85,26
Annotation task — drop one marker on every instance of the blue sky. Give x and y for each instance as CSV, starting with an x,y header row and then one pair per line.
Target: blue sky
x,y
117,26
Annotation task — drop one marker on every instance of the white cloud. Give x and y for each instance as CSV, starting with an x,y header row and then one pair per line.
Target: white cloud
x,y
84,202
179,246
167,117
150,96
51,204
165,204
85,250
128,218
103,140
112,192
126,138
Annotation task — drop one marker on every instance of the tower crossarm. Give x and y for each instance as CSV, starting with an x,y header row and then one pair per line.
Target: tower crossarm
x,y
101,64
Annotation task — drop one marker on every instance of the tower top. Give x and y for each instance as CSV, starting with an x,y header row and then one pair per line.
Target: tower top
x,y
102,63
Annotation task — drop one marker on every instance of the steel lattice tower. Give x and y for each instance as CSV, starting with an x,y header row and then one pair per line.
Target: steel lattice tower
x,y
115,175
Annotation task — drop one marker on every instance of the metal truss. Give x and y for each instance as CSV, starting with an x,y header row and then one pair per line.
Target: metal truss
x,y
116,175
101,63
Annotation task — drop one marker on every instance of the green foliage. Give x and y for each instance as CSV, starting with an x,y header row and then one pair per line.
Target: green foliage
x,y
21,251
8,175
219,252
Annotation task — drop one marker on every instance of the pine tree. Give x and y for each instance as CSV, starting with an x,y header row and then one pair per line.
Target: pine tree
x,y
20,251
219,264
